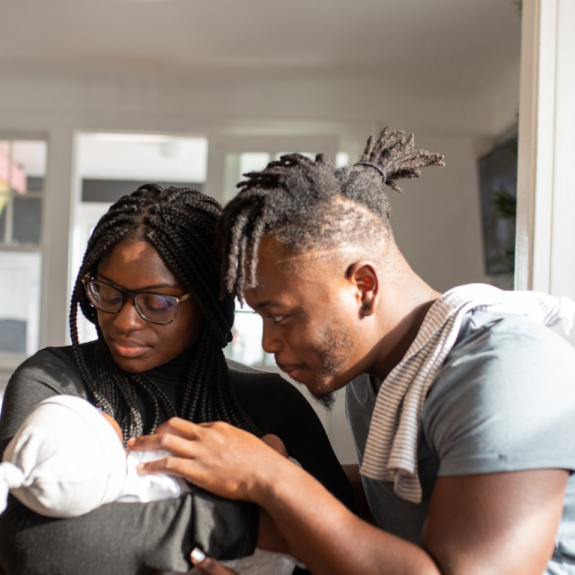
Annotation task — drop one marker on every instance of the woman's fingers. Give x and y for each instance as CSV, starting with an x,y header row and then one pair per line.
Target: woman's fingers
x,y
208,565
275,443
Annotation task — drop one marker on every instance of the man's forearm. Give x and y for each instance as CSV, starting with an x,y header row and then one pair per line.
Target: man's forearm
x,y
327,537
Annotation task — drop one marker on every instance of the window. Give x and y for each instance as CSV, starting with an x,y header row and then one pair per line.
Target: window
x,y
111,165
22,175
230,158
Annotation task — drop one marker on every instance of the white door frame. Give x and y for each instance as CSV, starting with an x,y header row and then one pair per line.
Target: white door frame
x,y
545,249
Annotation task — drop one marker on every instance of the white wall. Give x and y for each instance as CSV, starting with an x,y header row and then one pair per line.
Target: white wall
x,y
437,219
545,259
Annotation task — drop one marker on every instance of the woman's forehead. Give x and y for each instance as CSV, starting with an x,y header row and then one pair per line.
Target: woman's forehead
x,y
136,264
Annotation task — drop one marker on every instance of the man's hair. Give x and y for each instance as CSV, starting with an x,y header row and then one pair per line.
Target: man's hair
x,y
310,204
180,224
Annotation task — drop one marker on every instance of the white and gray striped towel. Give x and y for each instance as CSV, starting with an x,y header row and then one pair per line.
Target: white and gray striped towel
x,y
391,447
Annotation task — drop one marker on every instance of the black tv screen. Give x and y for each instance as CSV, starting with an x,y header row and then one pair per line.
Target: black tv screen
x,y
498,189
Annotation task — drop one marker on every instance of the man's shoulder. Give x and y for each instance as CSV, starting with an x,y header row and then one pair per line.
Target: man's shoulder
x,y
512,339
507,379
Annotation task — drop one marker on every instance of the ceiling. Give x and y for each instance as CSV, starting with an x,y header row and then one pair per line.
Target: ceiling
x,y
457,45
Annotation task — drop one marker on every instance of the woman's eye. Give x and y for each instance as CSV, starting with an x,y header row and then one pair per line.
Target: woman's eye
x,y
157,303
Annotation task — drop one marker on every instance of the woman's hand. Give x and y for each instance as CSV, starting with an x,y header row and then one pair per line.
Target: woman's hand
x,y
216,456
208,565
275,443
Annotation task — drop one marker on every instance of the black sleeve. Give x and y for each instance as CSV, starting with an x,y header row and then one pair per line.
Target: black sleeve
x,y
278,407
119,538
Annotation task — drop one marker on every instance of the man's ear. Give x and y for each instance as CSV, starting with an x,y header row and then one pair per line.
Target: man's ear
x,y
363,275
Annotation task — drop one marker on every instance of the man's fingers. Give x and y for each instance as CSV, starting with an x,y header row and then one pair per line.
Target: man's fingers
x,y
170,466
164,441
208,565
180,427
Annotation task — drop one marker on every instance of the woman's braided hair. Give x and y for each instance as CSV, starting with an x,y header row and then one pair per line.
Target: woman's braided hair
x,y
309,203
180,224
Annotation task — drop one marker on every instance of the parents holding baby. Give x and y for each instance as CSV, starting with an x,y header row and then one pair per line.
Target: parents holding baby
x,y
149,283
462,405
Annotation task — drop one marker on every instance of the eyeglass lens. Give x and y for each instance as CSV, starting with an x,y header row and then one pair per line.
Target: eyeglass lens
x,y
154,307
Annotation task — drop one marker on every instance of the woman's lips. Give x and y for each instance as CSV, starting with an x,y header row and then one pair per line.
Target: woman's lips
x,y
129,349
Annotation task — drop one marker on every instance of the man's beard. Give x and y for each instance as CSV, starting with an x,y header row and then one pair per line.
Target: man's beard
x,y
334,353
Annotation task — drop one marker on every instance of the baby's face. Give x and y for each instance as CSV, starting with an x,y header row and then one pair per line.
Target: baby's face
x,y
115,425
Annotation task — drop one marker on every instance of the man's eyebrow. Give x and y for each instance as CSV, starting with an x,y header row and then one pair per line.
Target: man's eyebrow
x,y
139,289
265,303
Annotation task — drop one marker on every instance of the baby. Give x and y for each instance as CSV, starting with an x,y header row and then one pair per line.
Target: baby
x,y
68,459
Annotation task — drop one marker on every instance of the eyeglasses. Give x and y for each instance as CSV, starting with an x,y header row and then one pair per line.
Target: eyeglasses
x,y
153,307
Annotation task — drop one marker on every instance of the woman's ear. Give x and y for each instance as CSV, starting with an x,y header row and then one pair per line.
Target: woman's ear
x,y
363,275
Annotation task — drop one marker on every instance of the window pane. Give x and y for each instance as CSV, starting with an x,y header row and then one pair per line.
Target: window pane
x,y
29,166
4,165
27,220
238,164
19,302
246,346
3,211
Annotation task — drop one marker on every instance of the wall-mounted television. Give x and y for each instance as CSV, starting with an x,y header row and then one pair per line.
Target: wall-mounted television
x,y
498,189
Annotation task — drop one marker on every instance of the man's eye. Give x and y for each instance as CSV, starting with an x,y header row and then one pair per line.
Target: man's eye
x,y
276,318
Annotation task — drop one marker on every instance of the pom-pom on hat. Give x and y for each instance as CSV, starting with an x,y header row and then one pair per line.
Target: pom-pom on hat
x,y
65,460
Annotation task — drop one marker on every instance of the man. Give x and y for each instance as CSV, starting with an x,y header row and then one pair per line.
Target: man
x,y
462,405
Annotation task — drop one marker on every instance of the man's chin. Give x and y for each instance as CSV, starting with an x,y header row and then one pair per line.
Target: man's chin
x,y
323,391
325,399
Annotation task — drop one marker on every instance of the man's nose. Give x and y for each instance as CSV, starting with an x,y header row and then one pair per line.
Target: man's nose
x,y
128,318
271,340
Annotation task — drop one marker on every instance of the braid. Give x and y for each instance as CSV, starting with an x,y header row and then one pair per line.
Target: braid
x,y
397,157
180,224
309,203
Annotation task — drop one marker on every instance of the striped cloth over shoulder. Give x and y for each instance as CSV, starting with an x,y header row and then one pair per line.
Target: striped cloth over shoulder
x,y
391,447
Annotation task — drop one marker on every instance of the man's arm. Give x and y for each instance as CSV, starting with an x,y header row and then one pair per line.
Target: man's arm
x,y
492,523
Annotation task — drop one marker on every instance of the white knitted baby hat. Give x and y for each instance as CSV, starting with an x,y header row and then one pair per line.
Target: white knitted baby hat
x,y
64,461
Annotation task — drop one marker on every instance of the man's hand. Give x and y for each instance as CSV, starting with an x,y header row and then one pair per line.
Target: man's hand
x,y
493,523
215,456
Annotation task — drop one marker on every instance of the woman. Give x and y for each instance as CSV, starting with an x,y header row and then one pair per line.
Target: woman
x,y
149,283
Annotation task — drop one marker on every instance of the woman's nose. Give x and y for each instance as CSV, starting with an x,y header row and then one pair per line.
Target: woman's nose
x,y
128,318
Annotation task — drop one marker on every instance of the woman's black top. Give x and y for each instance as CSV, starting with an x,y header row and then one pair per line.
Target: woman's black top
x,y
146,538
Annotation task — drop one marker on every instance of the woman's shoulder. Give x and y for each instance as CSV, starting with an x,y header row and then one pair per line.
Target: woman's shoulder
x,y
53,367
259,381
272,402
51,371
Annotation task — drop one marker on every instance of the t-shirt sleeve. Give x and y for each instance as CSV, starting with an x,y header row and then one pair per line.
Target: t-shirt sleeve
x,y
121,538
503,402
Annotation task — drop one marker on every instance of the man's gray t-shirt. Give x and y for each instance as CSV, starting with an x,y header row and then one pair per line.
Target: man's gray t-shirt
x,y
503,401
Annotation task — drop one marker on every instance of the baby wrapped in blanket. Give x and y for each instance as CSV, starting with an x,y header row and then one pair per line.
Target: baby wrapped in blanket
x,y
68,459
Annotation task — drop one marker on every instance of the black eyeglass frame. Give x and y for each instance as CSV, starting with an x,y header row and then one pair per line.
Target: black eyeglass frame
x,y
127,294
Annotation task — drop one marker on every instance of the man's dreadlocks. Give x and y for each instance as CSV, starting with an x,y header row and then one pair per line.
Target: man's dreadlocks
x,y
309,203
180,224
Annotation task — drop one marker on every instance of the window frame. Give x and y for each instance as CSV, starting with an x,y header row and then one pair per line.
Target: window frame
x,y
9,362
